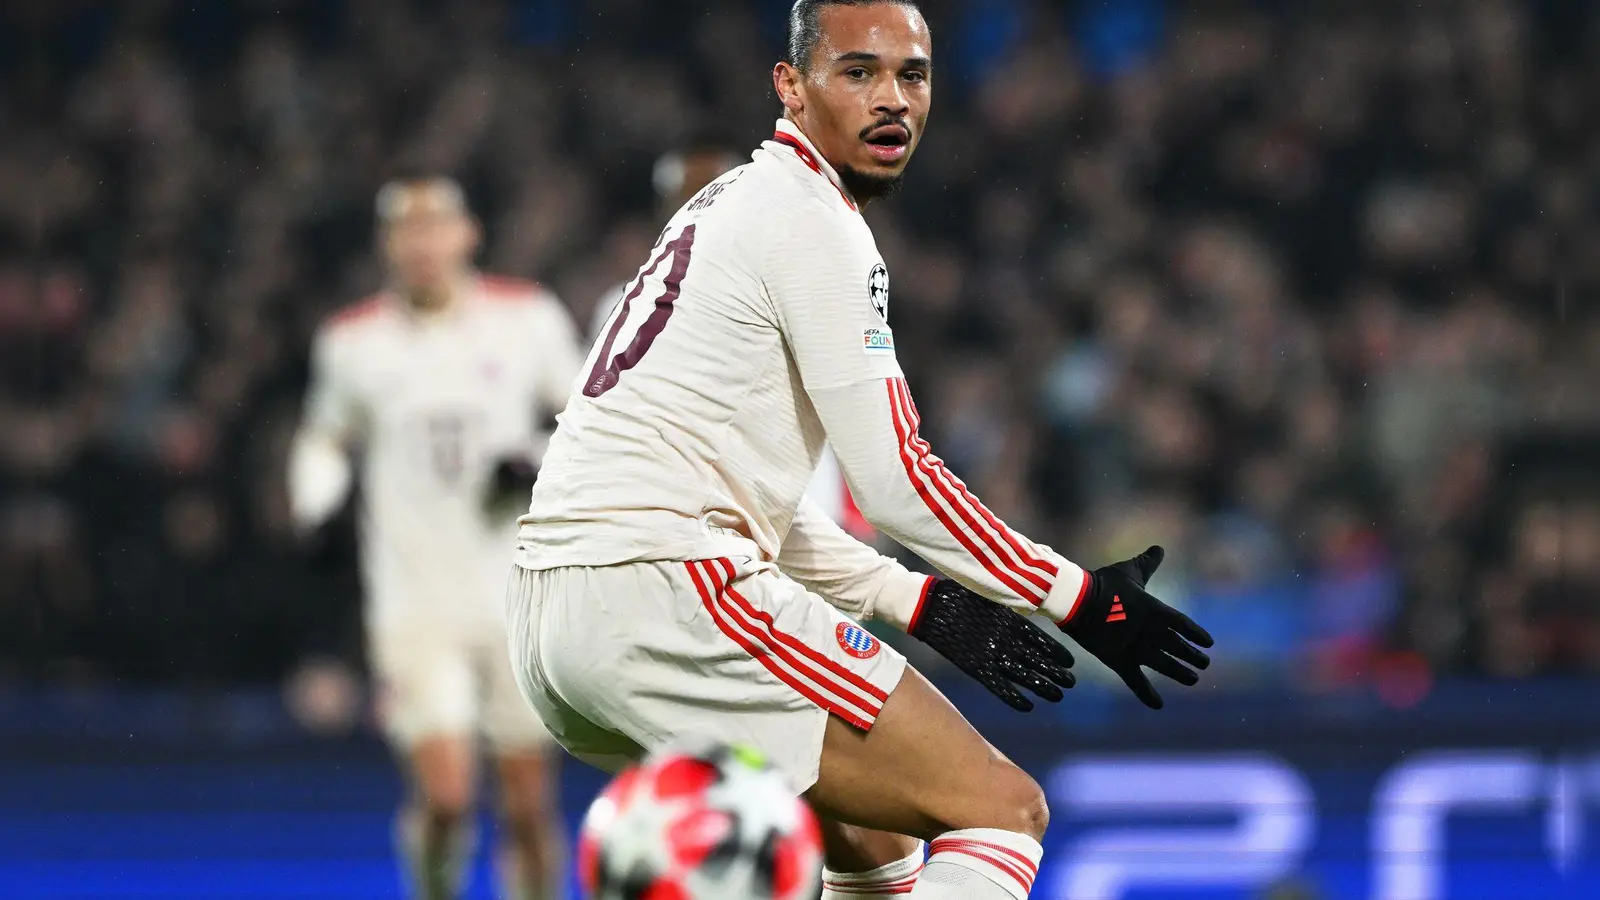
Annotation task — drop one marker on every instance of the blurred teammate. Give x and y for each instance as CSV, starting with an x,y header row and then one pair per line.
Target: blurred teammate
x,y
671,580
440,382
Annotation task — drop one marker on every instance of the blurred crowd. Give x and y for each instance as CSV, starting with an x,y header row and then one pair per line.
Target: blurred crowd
x,y
1304,291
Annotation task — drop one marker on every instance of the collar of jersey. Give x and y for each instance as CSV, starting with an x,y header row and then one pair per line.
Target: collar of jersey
x,y
790,135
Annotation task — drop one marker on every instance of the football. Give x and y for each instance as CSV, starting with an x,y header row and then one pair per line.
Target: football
x,y
711,823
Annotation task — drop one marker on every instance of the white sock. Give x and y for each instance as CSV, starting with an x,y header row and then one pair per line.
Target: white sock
x,y
979,864
892,880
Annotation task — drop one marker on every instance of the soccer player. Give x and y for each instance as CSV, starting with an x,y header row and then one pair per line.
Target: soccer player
x,y
441,383
670,580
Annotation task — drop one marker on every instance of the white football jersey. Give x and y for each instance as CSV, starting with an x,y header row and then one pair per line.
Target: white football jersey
x,y
757,331
432,401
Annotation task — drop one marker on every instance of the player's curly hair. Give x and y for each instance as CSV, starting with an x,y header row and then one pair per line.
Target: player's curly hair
x,y
805,26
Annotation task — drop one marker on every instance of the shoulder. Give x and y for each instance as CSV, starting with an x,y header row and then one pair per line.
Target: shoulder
x,y
523,300
354,323
355,316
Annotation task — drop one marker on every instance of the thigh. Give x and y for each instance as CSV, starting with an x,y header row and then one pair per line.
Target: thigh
x,y
920,771
426,684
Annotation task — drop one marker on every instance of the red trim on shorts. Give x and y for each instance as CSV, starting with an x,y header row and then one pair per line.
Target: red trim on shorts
x,y
761,647
850,678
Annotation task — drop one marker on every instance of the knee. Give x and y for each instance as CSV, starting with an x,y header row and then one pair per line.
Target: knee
x,y
526,801
1011,801
446,806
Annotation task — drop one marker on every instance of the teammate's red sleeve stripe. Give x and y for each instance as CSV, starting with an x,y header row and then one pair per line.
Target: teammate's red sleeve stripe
x,y
922,600
708,599
850,678
1017,544
1026,863
950,486
1024,874
904,432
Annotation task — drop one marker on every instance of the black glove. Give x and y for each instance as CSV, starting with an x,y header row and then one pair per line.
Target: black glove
x,y
510,485
329,547
993,644
1126,628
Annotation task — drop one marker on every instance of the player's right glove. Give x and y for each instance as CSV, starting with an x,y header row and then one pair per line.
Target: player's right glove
x,y
997,647
1126,628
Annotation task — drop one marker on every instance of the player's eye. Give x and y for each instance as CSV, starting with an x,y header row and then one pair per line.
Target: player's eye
x,y
914,76
856,74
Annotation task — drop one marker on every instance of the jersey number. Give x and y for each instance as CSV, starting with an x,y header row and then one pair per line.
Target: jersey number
x,y
608,368
446,440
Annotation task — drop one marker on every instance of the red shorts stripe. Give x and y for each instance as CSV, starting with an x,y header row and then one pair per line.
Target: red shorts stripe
x,y
850,678
919,474
708,597
760,644
1018,545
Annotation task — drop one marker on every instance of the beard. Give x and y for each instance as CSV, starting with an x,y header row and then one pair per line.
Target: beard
x,y
866,188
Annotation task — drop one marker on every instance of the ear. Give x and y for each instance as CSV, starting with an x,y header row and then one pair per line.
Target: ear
x,y
786,80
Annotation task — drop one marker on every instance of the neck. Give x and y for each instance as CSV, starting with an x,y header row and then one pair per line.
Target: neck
x,y
431,298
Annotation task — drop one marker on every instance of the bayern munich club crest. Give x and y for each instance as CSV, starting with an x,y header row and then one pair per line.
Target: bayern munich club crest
x,y
856,641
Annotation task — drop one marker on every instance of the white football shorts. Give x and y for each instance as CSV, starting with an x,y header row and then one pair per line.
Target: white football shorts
x,y
620,660
447,680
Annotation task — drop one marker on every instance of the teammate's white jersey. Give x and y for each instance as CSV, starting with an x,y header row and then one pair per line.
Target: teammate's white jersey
x,y
431,401
757,331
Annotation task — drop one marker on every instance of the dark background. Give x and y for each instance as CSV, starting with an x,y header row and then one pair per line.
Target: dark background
x,y
1305,291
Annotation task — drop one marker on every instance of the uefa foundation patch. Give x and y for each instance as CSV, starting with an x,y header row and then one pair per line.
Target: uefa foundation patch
x,y
856,641
877,342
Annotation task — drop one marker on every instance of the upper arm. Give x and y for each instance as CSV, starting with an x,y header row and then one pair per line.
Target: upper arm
x,y
333,406
561,353
828,288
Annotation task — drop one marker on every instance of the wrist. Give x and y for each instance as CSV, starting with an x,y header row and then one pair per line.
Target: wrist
x,y
900,600
1067,595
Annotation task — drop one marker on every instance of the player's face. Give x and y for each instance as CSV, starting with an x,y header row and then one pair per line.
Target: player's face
x,y
865,101
430,239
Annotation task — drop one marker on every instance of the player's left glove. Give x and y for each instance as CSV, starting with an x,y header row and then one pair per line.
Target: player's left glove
x,y
1126,628
509,486
996,646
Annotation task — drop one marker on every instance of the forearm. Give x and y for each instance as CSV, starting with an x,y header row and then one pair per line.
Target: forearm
x,y
907,492
319,478
850,575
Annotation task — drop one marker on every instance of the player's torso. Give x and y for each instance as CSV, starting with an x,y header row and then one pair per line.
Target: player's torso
x,y
689,417
444,397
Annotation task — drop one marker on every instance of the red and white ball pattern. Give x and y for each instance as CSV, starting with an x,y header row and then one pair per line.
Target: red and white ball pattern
x,y
712,824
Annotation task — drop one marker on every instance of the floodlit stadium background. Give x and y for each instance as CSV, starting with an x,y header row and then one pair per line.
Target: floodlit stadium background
x,y
1306,291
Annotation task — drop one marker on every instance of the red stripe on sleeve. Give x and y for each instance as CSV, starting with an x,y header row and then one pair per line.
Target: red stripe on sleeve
x,y
994,560
1017,543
